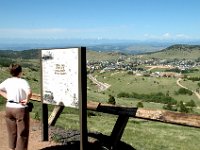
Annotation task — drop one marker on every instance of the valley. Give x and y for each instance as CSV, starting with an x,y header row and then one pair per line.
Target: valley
x,y
164,79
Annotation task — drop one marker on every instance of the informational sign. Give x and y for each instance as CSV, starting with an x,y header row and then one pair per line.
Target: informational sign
x,y
64,83
60,76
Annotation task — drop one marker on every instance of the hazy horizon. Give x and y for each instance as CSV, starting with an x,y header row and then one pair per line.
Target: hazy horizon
x,y
96,44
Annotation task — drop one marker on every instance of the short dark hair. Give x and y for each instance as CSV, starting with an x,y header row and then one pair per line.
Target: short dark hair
x,y
15,69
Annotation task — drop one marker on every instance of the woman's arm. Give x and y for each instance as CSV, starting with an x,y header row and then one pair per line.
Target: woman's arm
x,y
3,93
25,101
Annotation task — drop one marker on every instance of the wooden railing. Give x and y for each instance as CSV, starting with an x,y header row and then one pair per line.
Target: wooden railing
x,y
165,116
125,112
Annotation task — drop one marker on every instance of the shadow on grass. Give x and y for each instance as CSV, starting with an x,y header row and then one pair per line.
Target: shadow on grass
x,y
102,142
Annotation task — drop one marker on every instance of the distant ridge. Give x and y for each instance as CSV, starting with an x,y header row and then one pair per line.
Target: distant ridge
x,y
179,51
125,46
182,46
25,54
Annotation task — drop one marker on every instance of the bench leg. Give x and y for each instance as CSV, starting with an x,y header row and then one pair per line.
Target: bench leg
x,y
118,130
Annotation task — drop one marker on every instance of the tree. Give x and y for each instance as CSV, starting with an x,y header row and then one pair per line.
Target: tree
x,y
183,108
111,100
167,93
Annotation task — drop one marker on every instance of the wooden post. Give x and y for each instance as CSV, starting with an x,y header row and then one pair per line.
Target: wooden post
x,y
118,131
55,115
45,126
83,99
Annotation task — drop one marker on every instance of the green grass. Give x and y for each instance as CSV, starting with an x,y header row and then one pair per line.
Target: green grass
x,y
148,135
140,134
123,82
157,136
68,121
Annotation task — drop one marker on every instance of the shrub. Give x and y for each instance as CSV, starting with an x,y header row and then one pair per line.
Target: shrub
x,y
194,78
183,91
169,107
123,94
111,100
140,104
191,103
90,113
37,116
198,84
5,62
153,97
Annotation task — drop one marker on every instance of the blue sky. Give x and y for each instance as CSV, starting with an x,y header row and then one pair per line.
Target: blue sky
x,y
100,19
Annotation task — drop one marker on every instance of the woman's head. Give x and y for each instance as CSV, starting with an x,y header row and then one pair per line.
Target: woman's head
x,y
15,70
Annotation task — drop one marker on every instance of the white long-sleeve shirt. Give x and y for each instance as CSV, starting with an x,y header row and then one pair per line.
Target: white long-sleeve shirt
x,y
17,89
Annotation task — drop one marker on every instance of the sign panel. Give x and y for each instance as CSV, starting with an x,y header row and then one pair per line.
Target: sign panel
x,y
60,76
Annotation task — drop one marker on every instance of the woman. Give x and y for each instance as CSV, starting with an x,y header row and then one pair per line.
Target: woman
x,y
17,92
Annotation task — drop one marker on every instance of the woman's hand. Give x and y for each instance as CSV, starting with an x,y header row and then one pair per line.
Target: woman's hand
x,y
24,101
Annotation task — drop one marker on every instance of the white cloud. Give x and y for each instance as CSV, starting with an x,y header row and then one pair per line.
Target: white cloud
x,y
28,33
57,32
182,36
45,33
117,32
166,36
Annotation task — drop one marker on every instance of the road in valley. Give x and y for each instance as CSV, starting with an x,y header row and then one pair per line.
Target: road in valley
x,y
179,84
101,86
105,86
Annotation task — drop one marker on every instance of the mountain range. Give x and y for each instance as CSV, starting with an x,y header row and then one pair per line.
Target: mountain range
x,y
151,50
124,46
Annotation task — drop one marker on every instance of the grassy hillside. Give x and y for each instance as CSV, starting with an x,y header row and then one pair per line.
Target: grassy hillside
x,y
123,82
177,52
103,56
191,52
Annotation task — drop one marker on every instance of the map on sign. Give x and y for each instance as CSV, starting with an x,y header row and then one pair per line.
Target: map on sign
x,y
60,76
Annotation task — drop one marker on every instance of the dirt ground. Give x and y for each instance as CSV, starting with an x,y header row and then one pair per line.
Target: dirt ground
x,y
35,138
35,142
97,141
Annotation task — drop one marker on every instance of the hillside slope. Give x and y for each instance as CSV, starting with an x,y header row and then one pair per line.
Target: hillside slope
x,y
177,52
